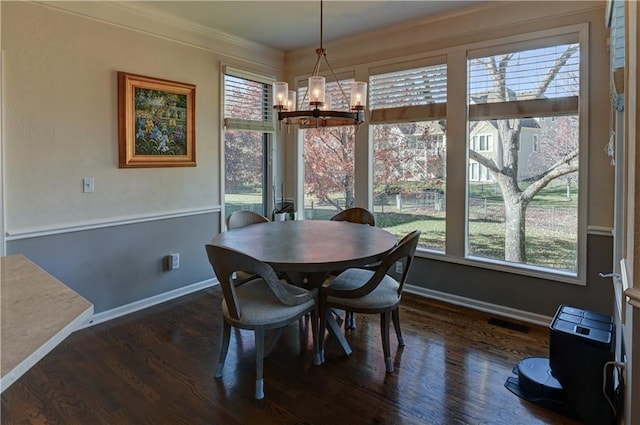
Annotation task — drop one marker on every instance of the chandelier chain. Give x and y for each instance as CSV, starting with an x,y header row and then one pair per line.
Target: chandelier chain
x,y
322,114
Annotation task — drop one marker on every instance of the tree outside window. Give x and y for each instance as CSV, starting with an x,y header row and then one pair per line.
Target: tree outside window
x,y
329,162
532,207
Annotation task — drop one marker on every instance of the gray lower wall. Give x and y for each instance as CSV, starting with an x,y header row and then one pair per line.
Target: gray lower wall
x,y
115,266
118,265
524,293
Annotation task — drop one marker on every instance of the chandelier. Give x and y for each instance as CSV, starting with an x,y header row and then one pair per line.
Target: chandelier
x,y
321,114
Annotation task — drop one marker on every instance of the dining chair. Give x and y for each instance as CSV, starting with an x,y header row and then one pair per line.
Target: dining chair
x,y
356,215
372,292
243,218
353,215
261,304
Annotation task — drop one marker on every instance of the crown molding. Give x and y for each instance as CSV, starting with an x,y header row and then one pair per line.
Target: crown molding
x,y
151,22
166,19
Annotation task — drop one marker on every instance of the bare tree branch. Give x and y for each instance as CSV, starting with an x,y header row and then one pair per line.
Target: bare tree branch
x,y
566,165
489,163
555,69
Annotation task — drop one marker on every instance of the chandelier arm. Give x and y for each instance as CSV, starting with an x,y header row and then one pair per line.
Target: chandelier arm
x,y
306,92
322,118
344,95
316,67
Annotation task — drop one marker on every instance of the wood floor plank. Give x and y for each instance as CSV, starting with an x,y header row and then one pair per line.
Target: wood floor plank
x,y
157,366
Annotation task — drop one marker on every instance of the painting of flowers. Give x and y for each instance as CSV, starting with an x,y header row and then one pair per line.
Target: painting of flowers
x,y
156,122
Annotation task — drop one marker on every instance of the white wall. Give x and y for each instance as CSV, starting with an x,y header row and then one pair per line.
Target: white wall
x,y
61,123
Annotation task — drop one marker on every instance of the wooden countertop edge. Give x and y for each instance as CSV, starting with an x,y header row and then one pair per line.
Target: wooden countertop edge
x,y
13,375
634,296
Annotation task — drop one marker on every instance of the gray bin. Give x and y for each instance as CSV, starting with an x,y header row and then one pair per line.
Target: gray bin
x,y
581,343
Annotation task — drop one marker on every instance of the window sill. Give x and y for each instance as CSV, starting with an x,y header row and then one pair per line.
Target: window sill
x,y
504,267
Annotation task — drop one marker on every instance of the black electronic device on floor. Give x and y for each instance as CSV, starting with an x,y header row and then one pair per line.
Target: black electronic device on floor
x,y
535,383
572,379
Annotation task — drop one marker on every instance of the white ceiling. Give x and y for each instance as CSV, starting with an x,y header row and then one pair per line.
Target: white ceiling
x,y
289,25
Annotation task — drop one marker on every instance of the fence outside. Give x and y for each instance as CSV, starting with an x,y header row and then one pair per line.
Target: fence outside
x,y
552,217
430,203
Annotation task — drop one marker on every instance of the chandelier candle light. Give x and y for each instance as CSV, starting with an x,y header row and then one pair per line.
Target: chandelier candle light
x,y
321,114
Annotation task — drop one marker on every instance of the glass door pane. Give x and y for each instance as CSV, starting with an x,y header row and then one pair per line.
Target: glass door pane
x,y
244,171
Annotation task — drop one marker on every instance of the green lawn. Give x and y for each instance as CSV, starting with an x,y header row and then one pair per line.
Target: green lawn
x,y
545,248
551,238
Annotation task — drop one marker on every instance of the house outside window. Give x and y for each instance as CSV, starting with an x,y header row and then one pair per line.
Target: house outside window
x,y
474,174
483,142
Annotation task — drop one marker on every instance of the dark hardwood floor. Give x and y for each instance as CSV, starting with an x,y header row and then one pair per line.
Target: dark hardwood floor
x,y
157,367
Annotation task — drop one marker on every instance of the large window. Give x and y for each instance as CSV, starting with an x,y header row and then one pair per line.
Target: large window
x,y
478,146
248,127
408,129
523,132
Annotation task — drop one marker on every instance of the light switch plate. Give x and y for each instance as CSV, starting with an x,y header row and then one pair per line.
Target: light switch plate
x,y
87,185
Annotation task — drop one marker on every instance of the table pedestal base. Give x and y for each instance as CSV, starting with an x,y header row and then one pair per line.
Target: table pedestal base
x,y
316,280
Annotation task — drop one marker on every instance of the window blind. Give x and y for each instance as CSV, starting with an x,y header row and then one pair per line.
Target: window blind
x,y
409,95
527,83
528,74
617,35
247,104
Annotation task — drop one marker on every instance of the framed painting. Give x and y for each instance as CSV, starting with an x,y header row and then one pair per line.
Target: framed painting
x,y
156,122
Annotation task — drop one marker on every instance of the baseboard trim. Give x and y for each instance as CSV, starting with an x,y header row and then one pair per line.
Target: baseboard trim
x,y
500,310
114,313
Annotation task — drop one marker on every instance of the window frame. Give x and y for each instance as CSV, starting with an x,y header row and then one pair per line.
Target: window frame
x,y
428,112
480,138
536,143
456,142
267,128
578,33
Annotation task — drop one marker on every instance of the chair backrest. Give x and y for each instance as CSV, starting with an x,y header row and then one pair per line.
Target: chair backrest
x,y
356,215
227,261
244,218
404,251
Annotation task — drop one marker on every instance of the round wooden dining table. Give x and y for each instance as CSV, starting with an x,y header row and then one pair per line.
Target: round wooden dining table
x,y
311,248
306,251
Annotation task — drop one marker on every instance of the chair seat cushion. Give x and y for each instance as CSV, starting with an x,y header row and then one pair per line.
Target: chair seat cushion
x,y
384,296
261,307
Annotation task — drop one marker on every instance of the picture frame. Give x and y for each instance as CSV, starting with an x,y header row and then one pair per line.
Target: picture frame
x,y
156,122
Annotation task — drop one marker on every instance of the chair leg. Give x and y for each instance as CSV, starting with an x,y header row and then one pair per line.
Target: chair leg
x,y
322,327
317,358
224,348
386,348
272,338
350,320
259,336
395,315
